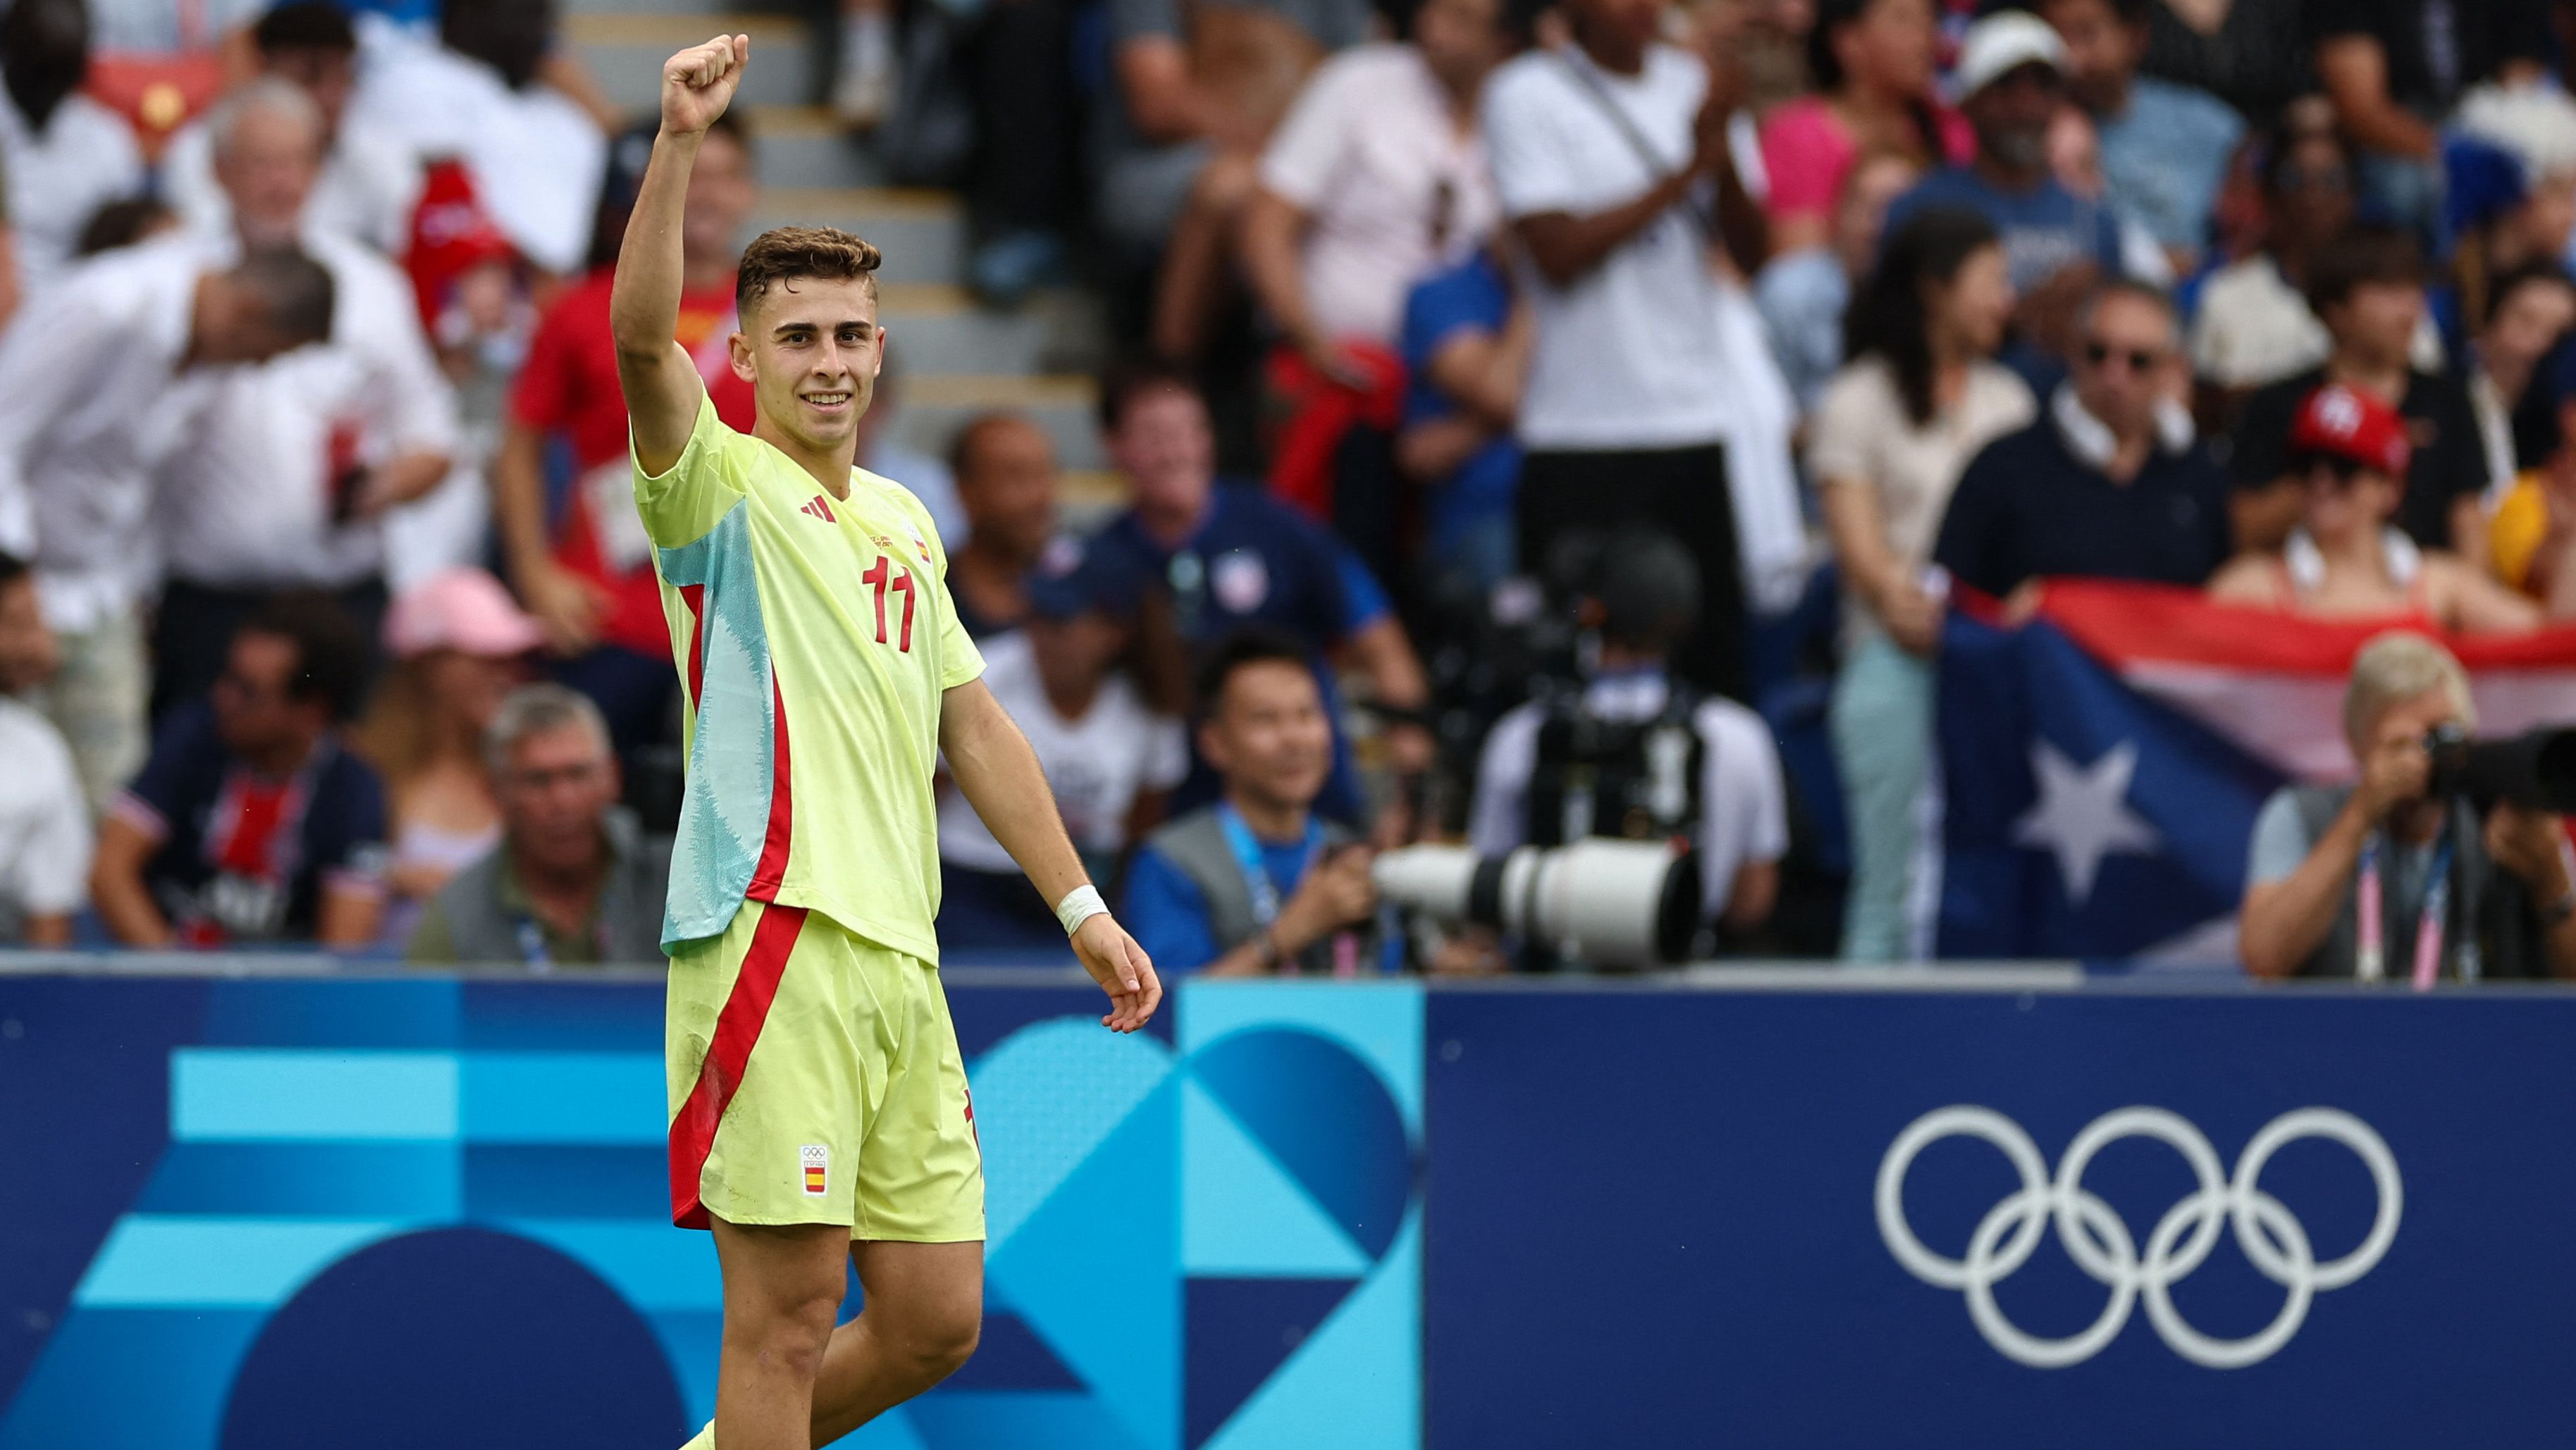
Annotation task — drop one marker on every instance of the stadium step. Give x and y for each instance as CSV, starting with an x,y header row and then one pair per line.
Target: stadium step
x,y
930,407
805,148
625,50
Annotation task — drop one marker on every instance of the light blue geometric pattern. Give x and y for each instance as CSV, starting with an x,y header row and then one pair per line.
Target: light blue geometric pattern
x,y
1361,1367
1242,1216
724,807
1045,1098
564,1097
159,1261
257,1094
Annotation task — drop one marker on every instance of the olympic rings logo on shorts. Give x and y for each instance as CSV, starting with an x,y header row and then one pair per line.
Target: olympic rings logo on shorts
x,y
2271,1237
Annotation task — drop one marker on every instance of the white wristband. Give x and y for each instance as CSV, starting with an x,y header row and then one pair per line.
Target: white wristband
x,y
1080,904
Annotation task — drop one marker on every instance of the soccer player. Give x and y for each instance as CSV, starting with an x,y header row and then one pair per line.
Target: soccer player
x,y
818,1100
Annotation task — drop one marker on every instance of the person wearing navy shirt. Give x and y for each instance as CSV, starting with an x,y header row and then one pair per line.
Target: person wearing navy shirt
x,y
2111,484
1465,360
1258,883
249,823
1231,557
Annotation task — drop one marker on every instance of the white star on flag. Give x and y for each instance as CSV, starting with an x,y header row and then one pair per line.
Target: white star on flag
x,y
2083,814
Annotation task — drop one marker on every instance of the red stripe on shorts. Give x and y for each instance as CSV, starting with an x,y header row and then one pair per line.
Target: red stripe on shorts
x,y
772,869
693,1131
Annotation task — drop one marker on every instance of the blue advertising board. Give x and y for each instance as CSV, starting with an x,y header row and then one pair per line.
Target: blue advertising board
x,y
265,1215
2095,1218
278,1214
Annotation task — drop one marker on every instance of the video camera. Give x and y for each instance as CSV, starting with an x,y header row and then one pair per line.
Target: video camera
x,y
1608,903
2535,770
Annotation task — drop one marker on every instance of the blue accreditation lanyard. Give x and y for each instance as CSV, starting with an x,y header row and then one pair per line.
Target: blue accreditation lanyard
x,y
1256,871
2371,963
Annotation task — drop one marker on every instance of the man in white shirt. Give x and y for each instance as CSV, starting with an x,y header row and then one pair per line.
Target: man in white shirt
x,y
369,183
65,155
286,480
101,378
1109,759
1637,755
44,822
1611,156
535,156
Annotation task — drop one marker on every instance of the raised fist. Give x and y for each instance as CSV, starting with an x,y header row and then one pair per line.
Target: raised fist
x,y
698,83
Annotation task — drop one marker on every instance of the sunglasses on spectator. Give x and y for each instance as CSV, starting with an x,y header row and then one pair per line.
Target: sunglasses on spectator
x,y
2139,359
2341,472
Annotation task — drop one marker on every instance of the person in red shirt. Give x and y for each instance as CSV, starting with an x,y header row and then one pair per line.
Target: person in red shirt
x,y
585,570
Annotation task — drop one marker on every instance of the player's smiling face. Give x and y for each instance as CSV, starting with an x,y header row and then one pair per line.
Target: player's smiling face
x,y
811,349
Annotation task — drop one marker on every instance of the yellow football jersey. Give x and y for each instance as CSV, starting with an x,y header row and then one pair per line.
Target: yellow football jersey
x,y
814,637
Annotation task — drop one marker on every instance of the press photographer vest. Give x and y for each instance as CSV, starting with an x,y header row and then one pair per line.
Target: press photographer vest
x,y
1635,780
2490,914
1197,845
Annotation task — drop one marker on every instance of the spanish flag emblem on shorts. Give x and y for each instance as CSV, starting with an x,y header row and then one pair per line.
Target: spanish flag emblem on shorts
x,y
817,1161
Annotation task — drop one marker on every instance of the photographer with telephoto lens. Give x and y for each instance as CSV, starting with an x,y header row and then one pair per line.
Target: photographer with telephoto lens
x,y
2439,863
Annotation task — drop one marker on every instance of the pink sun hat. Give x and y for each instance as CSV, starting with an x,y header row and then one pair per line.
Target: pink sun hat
x,y
465,610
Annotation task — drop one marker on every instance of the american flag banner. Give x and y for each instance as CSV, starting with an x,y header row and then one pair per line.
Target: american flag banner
x,y
2102,763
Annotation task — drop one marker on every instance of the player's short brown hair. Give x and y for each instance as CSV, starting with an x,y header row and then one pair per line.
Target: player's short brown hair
x,y
786,254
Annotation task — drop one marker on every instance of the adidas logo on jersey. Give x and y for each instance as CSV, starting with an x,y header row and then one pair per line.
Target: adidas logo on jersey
x,y
820,508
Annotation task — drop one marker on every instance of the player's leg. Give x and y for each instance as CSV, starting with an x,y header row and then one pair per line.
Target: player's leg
x,y
782,1288
924,1312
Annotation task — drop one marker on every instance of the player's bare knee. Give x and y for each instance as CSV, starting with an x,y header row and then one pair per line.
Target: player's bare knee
x,y
936,1344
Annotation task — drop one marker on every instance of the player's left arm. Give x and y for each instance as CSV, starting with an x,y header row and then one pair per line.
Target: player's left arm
x,y
993,765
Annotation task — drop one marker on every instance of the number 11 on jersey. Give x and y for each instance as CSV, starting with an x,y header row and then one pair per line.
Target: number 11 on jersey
x,y
884,575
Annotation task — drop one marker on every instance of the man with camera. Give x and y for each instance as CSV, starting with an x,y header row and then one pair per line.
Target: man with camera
x,y
2402,875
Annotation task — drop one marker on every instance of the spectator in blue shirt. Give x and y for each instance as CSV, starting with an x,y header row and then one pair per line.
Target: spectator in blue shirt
x,y
250,823
1466,350
1229,557
2165,147
2012,73
1258,882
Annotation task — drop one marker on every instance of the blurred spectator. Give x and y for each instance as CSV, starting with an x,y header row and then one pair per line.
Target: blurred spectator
x,y
2511,195
2368,880
127,222
2394,69
1603,151
1599,760
485,95
44,821
64,154
2248,53
1804,293
2058,244
101,381
1374,179
1111,761
1006,489
884,453
574,880
1257,883
1232,556
1025,180
2367,286
1198,89
291,466
459,644
368,183
2165,147
2254,325
1887,444
863,80
2531,533
1466,354
2347,456
1873,66
587,574
2112,484
2532,308
250,823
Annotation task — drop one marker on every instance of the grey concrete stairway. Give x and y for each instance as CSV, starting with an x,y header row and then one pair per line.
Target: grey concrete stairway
x,y
955,358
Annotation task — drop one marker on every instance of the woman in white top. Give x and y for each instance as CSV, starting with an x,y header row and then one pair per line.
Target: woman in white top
x,y
459,643
1894,429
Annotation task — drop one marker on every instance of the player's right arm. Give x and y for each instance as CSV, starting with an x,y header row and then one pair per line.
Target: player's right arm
x,y
663,390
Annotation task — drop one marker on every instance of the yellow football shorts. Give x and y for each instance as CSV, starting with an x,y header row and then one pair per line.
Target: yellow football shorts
x,y
814,1077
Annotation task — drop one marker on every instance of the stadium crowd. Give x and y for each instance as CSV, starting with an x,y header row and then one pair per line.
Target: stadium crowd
x,y
1531,421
